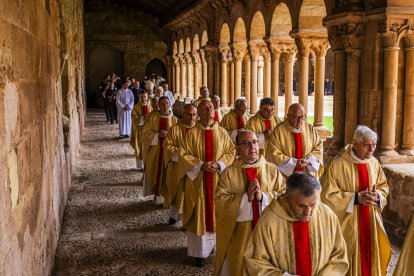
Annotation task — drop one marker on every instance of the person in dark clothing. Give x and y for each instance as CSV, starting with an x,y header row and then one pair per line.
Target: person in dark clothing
x,y
110,95
136,89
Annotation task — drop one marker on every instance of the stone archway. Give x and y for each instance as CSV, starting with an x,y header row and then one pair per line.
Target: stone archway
x,y
157,67
100,62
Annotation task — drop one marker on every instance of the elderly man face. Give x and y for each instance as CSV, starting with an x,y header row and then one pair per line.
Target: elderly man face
x,y
159,92
143,97
189,116
296,115
164,106
248,146
302,206
216,102
165,87
241,109
267,111
365,148
204,92
205,111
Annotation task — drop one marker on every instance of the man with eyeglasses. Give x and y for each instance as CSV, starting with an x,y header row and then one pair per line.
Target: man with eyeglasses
x,y
174,187
356,189
263,122
206,152
295,145
245,189
153,134
236,119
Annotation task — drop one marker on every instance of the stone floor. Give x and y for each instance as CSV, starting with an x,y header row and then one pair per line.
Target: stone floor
x,y
109,228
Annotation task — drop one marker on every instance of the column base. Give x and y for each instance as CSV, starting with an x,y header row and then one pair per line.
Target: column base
x,y
335,146
408,152
323,131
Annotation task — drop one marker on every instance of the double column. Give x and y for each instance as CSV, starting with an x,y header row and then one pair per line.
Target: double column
x,y
239,52
224,57
254,52
408,128
183,80
196,66
177,75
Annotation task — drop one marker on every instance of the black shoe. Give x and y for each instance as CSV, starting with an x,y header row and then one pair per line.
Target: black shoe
x,y
126,136
121,136
199,262
172,221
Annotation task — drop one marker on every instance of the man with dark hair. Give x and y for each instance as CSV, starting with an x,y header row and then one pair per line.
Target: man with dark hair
x,y
245,189
204,95
263,122
153,134
297,234
125,104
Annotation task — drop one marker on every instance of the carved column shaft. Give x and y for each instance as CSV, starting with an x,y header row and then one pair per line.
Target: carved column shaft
x,y
267,77
178,77
289,62
408,136
232,84
247,78
275,78
254,56
183,78
223,81
339,98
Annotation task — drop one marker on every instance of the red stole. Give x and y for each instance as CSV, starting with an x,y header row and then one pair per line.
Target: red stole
x,y
302,248
240,123
268,125
216,116
163,123
208,180
364,223
298,148
251,174
144,110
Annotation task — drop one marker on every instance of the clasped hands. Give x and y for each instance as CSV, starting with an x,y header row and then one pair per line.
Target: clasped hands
x,y
162,134
366,197
254,190
210,166
302,163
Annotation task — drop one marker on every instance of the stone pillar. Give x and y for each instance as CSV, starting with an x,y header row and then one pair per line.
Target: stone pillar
x,y
190,75
169,63
224,51
247,77
239,51
183,77
232,87
389,99
320,51
203,68
267,78
304,49
408,128
254,56
196,62
289,62
275,56
177,75
260,65
210,55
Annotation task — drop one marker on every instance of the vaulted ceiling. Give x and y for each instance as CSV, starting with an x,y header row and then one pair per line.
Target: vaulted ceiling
x,y
164,9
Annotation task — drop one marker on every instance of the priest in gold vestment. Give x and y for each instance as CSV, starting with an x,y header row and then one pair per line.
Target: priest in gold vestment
x,y
173,187
245,189
153,134
218,112
295,145
263,122
204,95
139,112
405,265
297,235
236,119
207,151
356,189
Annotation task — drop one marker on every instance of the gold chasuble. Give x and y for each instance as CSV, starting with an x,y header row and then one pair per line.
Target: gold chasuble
x,y
405,265
139,112
232,236
173,188
202,144
218,115
231,121
368,246
286,143
199,100
151,153
258,125
280,243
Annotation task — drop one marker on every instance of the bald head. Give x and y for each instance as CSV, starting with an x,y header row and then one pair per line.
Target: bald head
x,y
296,115
189,115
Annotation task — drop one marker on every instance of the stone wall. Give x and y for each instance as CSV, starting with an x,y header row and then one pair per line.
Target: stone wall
x,y
36,106
135,34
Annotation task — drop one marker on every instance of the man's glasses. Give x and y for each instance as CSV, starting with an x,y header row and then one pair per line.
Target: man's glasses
x,y
302,118
249,143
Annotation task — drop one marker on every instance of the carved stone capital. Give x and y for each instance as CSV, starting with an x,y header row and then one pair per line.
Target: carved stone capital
x,y
188,59
254,51
392,32
176,60
264,52
202,56
409,39
196,57
337,37
239,52
277,48
354,36
169,60
320,47
304,46
225,53
210,53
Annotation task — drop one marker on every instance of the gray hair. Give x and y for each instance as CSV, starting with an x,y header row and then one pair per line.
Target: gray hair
x,y
304,182
159,88
240,101
363,133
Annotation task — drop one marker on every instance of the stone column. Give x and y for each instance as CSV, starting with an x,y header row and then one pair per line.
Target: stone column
x,y
232,88
183,77
238,55
320,49
254,56
177,75
304,48
408,128
169,63
196,62
203,68
223,74
247,77
190,75
260,65
389,99
210,55
289,62
275,55
267,78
